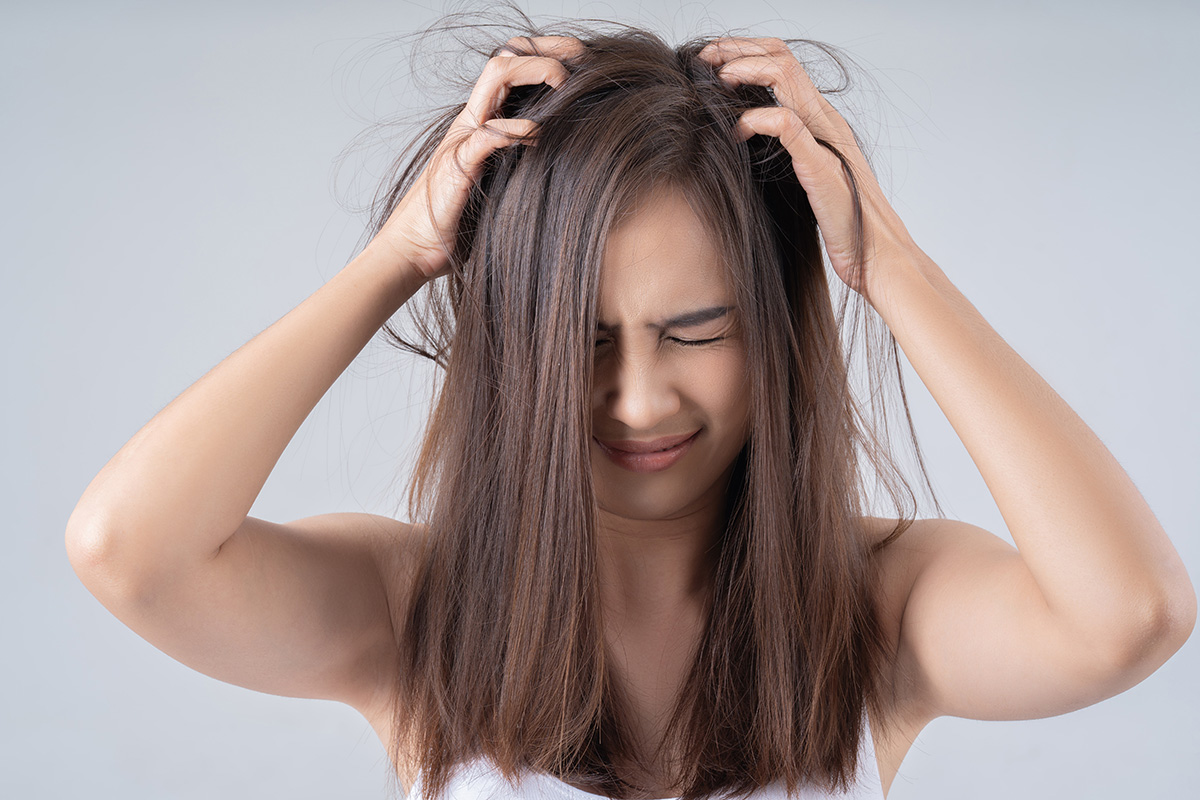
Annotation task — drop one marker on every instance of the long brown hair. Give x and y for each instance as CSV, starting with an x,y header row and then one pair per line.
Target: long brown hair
x,y
501,644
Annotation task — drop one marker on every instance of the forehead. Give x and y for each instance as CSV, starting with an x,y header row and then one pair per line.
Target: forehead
x,y
660,260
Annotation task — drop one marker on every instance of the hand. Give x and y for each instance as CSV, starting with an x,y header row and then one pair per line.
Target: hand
x,y
421,228
808,126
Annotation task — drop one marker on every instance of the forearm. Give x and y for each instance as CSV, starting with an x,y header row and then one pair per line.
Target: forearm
x,y
184,483
1104,564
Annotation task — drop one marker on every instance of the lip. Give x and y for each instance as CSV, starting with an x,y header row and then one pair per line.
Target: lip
x,y
647,456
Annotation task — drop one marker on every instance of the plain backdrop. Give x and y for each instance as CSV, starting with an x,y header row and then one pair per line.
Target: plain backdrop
x,y
174,182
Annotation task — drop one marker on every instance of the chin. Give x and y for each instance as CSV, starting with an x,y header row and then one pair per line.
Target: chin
x,y
648,497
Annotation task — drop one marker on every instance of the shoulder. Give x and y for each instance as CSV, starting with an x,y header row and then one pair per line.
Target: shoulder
x,y
398,558
396,549
923,546
896,562
897,567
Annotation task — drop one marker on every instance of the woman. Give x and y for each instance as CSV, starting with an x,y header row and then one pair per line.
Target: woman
x,y
641,566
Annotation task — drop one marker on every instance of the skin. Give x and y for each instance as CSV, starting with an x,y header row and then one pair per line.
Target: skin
x,y
656,528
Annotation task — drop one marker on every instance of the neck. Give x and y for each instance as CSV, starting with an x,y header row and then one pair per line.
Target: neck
x,y
649,569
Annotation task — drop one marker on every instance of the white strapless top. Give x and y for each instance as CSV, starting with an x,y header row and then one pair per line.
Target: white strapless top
x,y
480,780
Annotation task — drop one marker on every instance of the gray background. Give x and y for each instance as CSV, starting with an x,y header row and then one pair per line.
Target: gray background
x,y
170,189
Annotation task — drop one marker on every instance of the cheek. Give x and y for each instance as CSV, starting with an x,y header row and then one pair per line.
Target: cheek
x,y
726,389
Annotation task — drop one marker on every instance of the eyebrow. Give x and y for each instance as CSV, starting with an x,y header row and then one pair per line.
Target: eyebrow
x,y
688,319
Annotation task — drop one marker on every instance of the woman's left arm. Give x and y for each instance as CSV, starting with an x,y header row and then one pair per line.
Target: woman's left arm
x,y
1095,597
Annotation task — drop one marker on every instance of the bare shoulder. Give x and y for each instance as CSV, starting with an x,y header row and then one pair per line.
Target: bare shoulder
x,y
296,609
397,548
898,562
902,560
921,545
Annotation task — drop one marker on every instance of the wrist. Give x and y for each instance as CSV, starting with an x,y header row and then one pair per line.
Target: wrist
x,y
888,284
397,278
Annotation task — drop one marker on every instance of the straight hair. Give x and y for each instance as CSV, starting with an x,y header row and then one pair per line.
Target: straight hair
x,y
501,643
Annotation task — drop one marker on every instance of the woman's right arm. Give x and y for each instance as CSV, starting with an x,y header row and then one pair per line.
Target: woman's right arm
x,y
161,536
176,491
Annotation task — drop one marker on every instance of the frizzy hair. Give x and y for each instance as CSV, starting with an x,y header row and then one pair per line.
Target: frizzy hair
x,y
499,632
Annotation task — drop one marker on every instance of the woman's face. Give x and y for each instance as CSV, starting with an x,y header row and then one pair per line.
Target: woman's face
x,y
662,285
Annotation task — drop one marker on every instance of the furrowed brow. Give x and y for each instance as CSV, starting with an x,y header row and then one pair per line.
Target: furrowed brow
x,y
689,319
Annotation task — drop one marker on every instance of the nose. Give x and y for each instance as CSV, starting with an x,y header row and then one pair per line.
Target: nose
x,y
636,391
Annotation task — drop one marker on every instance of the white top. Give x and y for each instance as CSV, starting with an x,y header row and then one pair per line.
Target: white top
x,y
480,780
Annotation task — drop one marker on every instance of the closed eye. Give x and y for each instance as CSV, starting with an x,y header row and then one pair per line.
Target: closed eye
x,y
684,342
696,342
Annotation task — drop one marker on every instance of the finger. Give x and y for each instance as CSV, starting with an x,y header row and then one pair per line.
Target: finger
x,y
792,88
723,52
498,75
819,170
719,51
484,101
556,46
469,150
496,133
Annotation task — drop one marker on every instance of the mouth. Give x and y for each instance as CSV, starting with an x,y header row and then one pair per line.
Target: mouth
x,y
648,446
648,456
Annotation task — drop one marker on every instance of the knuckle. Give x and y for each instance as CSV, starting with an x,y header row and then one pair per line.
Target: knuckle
x,y
793,127
795,73
498,126
468,119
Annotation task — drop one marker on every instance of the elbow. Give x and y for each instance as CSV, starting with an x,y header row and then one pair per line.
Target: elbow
x,y
90,537
97,556
87,546
1162,624
1175,616
89,551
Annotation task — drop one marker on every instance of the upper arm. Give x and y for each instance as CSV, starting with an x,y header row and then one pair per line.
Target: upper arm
x,y
977,639
298,609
